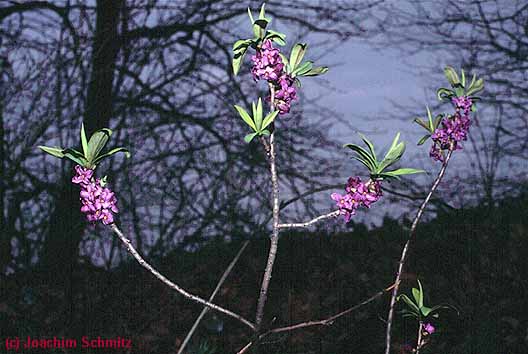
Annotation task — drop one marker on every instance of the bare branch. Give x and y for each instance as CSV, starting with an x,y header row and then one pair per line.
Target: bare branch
x,y
325,322
211,298
130,248
311,222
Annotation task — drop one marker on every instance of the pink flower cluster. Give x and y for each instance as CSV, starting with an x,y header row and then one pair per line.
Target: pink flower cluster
x,y
357,194
453,129
98,202
429,328
268,65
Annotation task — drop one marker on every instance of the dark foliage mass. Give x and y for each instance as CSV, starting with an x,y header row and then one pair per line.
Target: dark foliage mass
x,y
470,258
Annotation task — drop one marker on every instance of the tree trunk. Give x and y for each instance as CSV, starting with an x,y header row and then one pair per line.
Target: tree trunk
x,y
61,249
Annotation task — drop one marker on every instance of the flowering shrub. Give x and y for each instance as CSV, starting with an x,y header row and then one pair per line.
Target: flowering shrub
x,y
282,74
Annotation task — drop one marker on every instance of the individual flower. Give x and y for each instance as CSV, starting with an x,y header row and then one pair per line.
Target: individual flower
x,y
267,63
357,194
429,328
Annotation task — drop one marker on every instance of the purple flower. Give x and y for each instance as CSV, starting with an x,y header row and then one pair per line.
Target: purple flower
x,y
285,93
429,328
462,103
97,202
267,63
357,194
436,153
453,129
83,175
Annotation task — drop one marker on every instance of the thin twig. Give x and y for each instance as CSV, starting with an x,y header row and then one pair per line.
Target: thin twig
x,y
211,298
325,322
275,234
311,222
170,284
406,247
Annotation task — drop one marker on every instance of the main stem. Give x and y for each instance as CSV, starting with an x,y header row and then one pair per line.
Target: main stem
x,y
275,234
419,343
406,248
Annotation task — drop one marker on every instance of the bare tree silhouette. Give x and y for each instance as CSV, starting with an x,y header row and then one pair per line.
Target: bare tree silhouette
x,y
491,39
159,72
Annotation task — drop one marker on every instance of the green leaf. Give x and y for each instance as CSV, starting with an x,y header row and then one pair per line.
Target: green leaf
x,y
430,118
478,86
394,142
371,162
269,119
437,121
76,156
384,175
264,132
258,116
245,116
472,81
407,313
425,311
463,82
277,37
451,75
410,303
242,44
420,299
317,71
237,61
112,152
240,48
84,141
297,54
278,40
259,28
443,93
53,151
262,14
250,16
369,145
97,142
250,137
416,295
423,139
403,171
254,110
302,69
364,162
394,153
421,123
286,62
